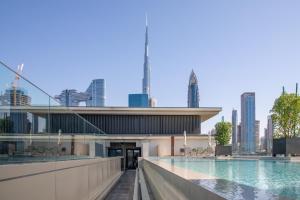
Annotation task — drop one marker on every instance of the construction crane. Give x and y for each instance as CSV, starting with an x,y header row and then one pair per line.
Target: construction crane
x,y
15,83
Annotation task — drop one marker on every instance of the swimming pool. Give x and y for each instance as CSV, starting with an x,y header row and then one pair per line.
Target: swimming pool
x,y
253,179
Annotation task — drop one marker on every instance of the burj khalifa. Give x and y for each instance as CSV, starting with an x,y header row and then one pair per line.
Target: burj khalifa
x,y
146,78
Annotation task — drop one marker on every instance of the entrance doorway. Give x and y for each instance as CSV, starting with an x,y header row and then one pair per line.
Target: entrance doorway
x,y
132,158
128,151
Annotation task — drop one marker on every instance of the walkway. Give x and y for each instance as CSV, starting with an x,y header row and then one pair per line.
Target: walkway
x,y
123,190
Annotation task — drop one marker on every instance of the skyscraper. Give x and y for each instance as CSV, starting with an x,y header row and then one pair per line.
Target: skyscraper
x,y
234,138
15,97
96,90
70,97
270,132
146,78
257,139
264,141
239,133
248,139
193,91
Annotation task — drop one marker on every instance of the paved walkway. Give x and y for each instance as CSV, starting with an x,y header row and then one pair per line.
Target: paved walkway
x,y
123,190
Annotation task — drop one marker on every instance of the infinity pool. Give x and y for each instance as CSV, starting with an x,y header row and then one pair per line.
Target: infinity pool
x,y
250,179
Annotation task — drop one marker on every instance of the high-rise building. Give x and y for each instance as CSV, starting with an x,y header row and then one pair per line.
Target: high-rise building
x,y
146,78
96,91
257,133
94,96
144,99
193,91
234,122
239,133
269,137
264,141
248,139
70,97
138,100
15,97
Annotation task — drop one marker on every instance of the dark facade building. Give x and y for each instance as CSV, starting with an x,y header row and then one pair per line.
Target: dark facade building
x,y
128,121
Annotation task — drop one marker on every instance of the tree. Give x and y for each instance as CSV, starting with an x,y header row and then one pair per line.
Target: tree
x,y
286,116
223,132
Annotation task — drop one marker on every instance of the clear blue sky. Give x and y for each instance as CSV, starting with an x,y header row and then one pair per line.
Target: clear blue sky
x,y
233,46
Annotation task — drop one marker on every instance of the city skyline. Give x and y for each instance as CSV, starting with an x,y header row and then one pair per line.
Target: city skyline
x,y
249,46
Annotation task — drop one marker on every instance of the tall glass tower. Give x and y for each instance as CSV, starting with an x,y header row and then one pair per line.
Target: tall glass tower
x,y
96,91
146,78
248,142
193,91
234,130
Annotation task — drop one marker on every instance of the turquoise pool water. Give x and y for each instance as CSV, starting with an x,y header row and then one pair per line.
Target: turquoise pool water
x,y
257,179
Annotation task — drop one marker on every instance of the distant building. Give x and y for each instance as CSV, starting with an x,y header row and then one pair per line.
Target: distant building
x,y
152,102
96,91
248,136
239,133
93,97
71,98
269,136
264,141
234,122
146,78
15,97
138,100
193,91
257,137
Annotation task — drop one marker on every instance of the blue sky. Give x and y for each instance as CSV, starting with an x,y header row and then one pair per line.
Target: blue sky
x,y
233,46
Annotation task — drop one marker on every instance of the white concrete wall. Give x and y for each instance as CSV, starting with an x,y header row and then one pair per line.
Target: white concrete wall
x,y
63,180
145,148
192,143
162,146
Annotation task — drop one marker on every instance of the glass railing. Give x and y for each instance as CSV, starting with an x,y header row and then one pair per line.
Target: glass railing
x,y
35,127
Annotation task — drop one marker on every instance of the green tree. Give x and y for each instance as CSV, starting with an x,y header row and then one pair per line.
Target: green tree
x,y
223,132
286,116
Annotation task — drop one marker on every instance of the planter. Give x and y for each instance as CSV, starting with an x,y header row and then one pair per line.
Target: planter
x,y
286,146
223,150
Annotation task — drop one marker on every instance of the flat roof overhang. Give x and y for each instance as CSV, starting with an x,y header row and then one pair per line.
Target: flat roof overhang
x,y
205,112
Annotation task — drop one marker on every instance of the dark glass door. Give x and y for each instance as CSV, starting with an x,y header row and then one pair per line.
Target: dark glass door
x,y
132,158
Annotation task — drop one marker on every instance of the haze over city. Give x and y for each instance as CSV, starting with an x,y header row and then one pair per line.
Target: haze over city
x,y
233,47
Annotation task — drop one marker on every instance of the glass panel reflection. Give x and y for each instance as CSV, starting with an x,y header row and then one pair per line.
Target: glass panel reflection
x,y
35,127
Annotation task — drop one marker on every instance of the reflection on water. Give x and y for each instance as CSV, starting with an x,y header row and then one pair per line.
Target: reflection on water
x,y
235,191
246,179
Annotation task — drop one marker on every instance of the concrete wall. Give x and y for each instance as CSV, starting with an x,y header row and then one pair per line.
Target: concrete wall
x,y
166,185
62,180
162,146
192,143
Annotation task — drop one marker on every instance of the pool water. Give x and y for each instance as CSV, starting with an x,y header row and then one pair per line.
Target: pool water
x,y
262,177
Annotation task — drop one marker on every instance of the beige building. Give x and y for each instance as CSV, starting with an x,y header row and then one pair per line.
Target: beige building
x,y
119,131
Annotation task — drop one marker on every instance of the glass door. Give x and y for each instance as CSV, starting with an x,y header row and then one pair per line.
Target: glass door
x,y
132,158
